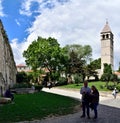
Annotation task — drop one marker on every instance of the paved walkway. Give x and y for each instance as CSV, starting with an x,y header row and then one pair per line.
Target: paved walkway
x,y
109,109
106,98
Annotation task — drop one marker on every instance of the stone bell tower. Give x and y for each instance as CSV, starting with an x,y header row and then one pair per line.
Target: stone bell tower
x,y
106,46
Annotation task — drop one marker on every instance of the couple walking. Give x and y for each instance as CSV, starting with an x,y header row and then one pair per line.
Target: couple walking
x,y
90,98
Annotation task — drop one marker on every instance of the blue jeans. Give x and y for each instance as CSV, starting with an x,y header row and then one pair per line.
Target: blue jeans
x,y
95,109
85,105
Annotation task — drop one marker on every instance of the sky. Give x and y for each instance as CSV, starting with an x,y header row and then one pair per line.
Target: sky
x,y
69,21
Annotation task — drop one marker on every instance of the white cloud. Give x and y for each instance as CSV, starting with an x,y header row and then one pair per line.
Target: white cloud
x,y
17,22
18,49
1,9
76,21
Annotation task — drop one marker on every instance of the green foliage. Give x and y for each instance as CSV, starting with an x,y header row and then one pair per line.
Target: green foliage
x,y
21,85
45,53
96,64
107,68
21,77
38,87
77,79
110,87
55,76
61,81
118,87
107,73
77,56
101,86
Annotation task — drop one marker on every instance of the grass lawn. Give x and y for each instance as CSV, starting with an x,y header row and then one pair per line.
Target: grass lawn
x,y
100,85
36,106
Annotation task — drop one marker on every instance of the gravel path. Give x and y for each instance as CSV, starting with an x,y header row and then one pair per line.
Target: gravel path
x,y
108,109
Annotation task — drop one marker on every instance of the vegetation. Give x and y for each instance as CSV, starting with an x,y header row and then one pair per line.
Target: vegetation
x,y
99,84
72,60
47,53
36,106
108,75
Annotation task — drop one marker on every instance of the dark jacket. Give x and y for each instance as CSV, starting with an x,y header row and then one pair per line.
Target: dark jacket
x,y
94,97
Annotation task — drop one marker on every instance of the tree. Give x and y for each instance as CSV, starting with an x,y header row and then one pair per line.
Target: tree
x,y
21,77
96,63
92,67
44,53
78,56
107,72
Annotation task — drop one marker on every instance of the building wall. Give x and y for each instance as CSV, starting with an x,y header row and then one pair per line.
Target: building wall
x,y
106,49
22,67
7,64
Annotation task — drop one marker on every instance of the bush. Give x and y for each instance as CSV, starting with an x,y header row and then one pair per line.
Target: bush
x,y
118,87
38,87
110,87
61,81
21,85
77,79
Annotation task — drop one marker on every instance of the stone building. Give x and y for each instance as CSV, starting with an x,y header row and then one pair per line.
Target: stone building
x,y
107,45
23,67
7,64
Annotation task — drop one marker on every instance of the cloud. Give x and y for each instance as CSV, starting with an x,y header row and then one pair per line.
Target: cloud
x,y
17,22
1,9
37,6
75,22
18,49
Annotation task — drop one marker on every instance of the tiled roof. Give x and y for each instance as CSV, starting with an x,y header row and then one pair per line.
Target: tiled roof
x,y
117,73
20,65
106,28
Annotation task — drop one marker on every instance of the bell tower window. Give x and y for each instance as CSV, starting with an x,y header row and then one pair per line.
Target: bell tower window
x,y
107,35
103,36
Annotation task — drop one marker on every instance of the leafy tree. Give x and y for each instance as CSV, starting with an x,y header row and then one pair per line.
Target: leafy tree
x,y
92,67
44,53
21,77
78,56
114,78
91,71
96,63
107,72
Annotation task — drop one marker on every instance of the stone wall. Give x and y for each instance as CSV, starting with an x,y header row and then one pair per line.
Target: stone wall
x,y
7,64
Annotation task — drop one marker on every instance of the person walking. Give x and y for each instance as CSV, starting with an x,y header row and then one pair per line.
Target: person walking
x,y
114,93
85,92
94,96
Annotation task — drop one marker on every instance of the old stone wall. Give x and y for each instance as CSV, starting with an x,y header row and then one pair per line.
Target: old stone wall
x,y
7,64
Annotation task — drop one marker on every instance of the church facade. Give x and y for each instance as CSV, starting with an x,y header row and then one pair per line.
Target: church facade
x,y
7,64
107,47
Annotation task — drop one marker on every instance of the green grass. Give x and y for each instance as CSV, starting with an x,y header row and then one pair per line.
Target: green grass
x,y
36,106
100,85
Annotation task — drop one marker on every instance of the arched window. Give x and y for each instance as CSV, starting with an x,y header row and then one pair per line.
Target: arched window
x,y
103,36
107,35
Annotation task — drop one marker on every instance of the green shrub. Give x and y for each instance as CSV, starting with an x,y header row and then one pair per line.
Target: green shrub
x,y
118,87
21,85
38,87
110,87
77,79
61,81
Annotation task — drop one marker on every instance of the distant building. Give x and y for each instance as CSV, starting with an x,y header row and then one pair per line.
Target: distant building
x,y
107,45
7,64
23,67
